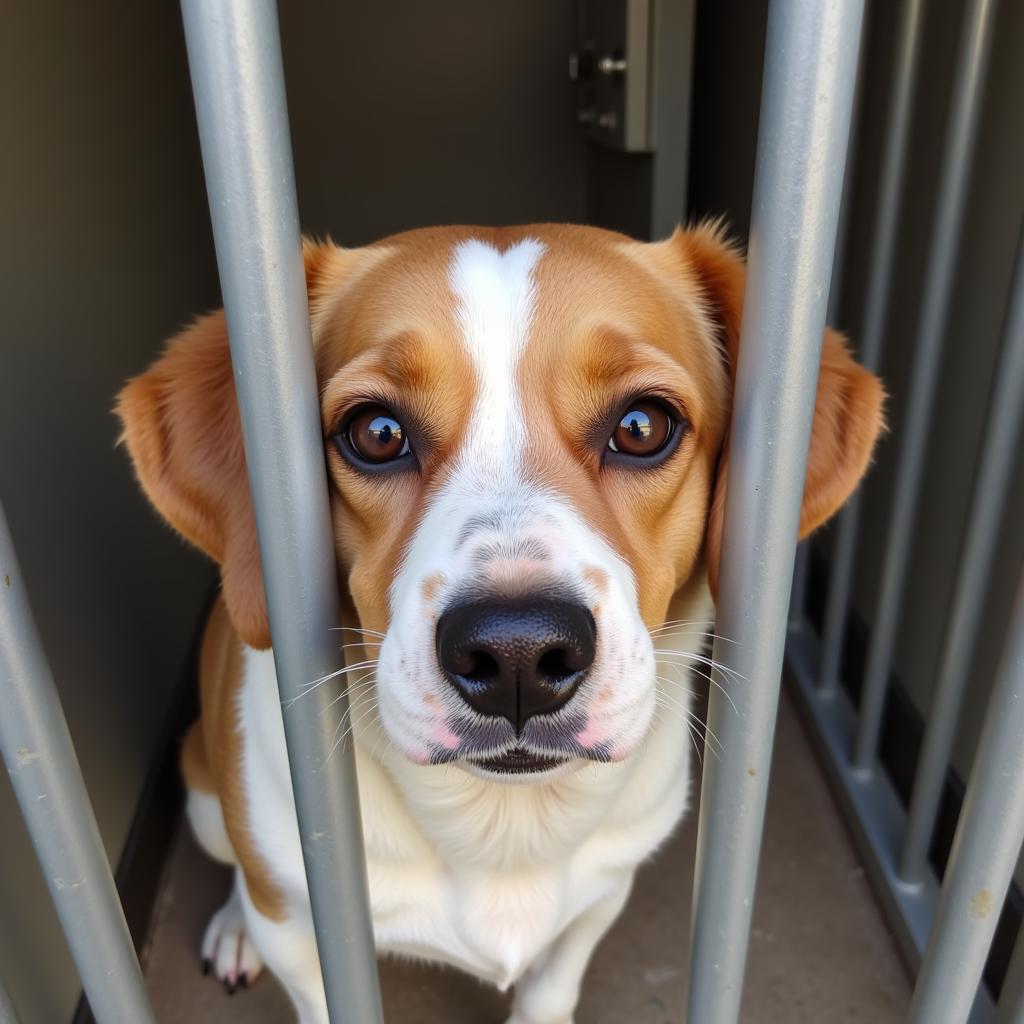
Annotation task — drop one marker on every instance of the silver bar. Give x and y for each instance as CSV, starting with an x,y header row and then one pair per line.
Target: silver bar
x,y
802,566
1011,999
8,1015
992,482
950,209
870,804
48,783
234,56
810,68
985,848
884,234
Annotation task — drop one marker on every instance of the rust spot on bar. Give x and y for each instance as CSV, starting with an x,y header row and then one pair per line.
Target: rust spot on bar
x,y
981,904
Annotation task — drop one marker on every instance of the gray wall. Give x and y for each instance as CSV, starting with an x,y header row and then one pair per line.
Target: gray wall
x,y
106,250
403,113
406,113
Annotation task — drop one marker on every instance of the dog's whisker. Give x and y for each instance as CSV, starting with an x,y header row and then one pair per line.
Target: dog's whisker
x,y
708,677
339,672
353,723
674,631
350,691
703,660
358,629
689,729
690,715
696,728
356,700
307,688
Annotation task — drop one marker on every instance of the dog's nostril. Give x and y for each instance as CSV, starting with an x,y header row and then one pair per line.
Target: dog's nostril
x,y
555,665
481,667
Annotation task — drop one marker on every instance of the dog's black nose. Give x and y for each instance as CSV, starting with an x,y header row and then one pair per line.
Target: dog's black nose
x,y
516,659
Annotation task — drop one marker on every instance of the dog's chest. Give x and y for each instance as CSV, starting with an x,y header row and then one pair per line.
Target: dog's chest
x,y
492,924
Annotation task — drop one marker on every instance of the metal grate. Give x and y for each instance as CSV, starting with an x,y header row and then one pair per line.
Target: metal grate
x,y
809,86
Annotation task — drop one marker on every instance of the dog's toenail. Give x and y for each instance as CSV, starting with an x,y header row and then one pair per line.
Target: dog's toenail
x,y
206,966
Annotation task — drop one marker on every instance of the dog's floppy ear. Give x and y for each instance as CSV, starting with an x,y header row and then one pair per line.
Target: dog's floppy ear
x,y
183,431
847,412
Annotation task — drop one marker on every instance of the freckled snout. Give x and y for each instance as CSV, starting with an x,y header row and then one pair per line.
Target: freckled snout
x,y
516,659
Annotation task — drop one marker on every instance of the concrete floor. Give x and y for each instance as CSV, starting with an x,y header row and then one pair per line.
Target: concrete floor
x,y
820,952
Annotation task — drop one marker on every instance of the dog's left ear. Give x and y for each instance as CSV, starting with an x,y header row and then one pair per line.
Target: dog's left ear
x,y
848,414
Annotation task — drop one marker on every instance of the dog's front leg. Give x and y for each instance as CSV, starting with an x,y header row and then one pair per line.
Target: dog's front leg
x,y
550,989
288,947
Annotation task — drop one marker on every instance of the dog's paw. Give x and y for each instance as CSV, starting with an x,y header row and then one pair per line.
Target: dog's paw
x,y
227,949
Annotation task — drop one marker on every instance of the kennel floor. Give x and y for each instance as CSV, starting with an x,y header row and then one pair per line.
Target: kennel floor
x,y
820,952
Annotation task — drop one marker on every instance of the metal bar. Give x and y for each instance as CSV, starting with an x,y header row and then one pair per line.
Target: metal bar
x,y
992,482
870,805
802,565
1011,999
810,68
8,1015
987,843
48,783
884,234
950,209
238,81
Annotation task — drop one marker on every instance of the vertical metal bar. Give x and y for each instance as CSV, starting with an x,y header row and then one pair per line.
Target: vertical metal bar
x,y
985,848
884,233
992,482
810,69
1011,1000
802,565
950,209
48,783
237,77
8,1015
835,291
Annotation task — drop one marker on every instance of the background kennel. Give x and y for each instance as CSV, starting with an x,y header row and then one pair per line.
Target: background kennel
x,y
902,621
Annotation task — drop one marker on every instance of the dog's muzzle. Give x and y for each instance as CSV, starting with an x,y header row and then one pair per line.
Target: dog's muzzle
x,y
516,659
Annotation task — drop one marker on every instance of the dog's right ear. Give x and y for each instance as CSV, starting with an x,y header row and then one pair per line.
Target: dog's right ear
x,y
183,430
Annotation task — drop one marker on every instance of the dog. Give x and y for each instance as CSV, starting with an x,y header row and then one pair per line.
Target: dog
x,y
525,431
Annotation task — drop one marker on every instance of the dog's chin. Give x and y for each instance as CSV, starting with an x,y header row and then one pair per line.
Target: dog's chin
x,y
520,767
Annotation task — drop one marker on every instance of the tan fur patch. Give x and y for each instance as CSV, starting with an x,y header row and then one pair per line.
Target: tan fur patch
x,y
211,758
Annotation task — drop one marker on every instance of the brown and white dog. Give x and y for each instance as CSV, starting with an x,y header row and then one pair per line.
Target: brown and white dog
x,y
524,430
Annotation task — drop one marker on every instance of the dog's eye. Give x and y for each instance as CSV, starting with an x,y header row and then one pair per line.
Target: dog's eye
x,y
644,430
376,436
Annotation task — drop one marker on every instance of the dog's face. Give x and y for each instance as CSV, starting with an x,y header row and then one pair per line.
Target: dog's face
x,y
524,432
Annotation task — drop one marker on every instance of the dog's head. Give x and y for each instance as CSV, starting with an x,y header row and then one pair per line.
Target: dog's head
x,y
524,431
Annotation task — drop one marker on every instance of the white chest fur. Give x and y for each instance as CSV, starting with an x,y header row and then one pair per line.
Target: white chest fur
x,y
478,874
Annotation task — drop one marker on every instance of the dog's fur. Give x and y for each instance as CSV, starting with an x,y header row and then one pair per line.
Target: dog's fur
x,y
507,354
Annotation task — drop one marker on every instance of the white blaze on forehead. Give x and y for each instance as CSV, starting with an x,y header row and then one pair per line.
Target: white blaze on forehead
x,y
495,292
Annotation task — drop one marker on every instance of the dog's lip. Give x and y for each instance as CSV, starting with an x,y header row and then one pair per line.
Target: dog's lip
x,y
518,761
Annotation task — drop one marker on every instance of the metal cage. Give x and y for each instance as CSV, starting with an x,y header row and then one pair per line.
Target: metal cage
x,y
810,77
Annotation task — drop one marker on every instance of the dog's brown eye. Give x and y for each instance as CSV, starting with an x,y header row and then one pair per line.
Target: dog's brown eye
x,y
644,430
376,436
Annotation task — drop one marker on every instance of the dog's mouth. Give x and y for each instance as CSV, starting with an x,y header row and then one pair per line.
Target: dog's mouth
x,y
518,762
